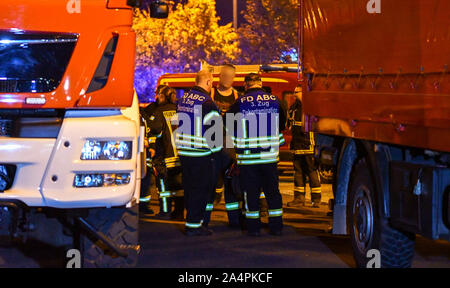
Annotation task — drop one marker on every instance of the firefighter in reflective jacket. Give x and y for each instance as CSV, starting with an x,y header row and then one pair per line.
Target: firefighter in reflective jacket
x,y
165,161
196,112
303,145
258,122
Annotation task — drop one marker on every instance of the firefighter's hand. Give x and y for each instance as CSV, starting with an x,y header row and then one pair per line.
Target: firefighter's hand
x,y
146,142
152,152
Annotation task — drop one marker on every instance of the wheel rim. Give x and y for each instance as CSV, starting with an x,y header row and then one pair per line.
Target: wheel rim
x,y
363,219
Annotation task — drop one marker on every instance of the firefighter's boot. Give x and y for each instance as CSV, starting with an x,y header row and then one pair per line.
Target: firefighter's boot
x,y
144,207
299,200
165,207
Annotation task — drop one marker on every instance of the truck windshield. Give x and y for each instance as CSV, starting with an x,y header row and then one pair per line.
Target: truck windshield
x,y
33,62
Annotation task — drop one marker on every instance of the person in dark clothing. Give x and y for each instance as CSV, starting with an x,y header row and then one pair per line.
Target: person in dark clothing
x,y
198,154
224,95
285,100
165,161
146,114
303,144
257,139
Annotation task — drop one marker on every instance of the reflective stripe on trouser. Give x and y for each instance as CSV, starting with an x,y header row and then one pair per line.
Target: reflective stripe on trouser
x,y
231,203
253,178
304,166
208,211
164,197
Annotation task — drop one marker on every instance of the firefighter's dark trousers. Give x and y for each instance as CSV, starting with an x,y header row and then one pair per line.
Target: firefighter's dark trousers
x,y
253,178
199,180
224,184
169,184
304,166
232,203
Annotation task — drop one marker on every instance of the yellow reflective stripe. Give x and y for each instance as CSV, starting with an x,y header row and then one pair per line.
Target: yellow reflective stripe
x,y
257,139
258,155
258,145
190,137
191,80
210,115
232,206
252,214
275,213
191,144
194,154
193,225
257,161
198,127
305,151
209,207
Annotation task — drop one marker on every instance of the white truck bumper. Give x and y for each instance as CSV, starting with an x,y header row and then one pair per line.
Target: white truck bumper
x,y
45,168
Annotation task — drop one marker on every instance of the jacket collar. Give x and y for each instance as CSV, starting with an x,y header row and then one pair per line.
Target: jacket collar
x,y
200,89
251,90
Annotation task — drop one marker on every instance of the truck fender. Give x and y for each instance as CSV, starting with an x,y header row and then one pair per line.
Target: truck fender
x,y
347,158
378,158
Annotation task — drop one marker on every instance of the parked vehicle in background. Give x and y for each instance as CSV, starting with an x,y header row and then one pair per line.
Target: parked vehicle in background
x,y
70,133
277,79
377,87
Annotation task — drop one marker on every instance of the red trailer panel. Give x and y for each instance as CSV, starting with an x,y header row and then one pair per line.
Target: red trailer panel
x,y
378,76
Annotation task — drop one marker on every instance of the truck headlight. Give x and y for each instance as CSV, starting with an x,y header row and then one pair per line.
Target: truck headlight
x,y
87,180
106,150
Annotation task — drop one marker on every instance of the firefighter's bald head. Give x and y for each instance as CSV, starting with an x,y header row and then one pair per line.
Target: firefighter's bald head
x,y
204,79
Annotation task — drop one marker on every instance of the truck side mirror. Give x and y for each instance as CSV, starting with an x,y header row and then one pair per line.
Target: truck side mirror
x,y
159,9
134,3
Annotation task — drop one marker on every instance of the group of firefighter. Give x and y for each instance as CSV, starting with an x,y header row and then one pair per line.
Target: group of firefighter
x,y
192,173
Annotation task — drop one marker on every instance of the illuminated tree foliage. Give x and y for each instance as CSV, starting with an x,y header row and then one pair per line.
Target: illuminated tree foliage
x,y
271,31
178,44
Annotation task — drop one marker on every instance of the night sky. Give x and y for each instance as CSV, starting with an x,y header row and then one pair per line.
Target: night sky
x,y
225,11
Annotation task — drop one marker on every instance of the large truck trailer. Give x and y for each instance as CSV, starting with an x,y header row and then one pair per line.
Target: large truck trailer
x,y
71,141
377,86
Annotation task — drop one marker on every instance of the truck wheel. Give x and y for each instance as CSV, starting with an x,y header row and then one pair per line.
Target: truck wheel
x,y
120,225
368,230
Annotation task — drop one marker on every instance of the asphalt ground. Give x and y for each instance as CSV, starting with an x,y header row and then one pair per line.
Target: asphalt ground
x,y
305,243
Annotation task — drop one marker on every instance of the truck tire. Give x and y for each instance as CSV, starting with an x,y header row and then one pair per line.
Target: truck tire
x,y
120,225
368,230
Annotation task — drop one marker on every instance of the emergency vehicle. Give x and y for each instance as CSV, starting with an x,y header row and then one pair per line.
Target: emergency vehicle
x,y
377,87
276,78
71,140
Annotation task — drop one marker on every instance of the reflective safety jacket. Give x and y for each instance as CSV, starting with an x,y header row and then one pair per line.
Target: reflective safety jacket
x,y
257,133
196,112
302,143
161,127
147,113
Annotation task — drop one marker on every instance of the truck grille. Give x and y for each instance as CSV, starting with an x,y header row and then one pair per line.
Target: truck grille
x,y
33,62
5,127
